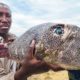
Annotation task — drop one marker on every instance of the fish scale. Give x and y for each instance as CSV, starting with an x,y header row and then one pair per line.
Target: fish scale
x,y
61,40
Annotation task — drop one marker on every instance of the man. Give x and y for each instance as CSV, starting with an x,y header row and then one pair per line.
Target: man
x,y
5,39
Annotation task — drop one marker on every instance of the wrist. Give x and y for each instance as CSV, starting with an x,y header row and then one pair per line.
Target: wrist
x,y
21,74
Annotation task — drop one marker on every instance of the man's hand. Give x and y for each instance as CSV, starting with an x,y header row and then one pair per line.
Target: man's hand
x,y
31,65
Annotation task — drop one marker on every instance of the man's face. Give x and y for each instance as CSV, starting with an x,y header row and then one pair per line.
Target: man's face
x,y
5,20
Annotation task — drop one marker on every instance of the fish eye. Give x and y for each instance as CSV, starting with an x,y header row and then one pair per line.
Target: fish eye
x,y
58,30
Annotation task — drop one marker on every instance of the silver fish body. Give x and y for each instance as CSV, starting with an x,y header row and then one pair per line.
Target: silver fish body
x,y
55,43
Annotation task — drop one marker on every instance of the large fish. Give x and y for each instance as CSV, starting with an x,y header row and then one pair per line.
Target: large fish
x,y
55,43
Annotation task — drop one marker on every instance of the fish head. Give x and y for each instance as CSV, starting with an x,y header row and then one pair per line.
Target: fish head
x,y
60,44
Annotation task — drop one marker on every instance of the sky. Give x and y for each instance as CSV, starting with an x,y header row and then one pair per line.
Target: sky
x,y
28,13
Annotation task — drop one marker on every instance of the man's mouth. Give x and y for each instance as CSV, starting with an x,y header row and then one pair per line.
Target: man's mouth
x,y
4,28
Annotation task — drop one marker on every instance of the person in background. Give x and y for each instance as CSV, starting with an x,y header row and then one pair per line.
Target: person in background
x,y
6,39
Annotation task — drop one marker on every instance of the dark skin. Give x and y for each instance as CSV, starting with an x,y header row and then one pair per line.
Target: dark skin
x,y
5,22
31,65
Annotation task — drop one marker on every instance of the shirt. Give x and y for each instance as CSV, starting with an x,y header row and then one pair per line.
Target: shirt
x,y
7,65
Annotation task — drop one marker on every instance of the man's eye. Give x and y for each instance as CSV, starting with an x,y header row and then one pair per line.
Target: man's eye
x,y
8,15
1,14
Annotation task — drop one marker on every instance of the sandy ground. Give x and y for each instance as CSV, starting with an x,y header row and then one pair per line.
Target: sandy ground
x,y
50,75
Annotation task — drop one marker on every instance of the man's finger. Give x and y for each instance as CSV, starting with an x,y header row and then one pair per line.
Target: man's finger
x,y
31,49
38,62
39,65
55,67
32,43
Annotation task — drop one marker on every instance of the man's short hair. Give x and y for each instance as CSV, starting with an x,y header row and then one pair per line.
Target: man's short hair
x,y
5,6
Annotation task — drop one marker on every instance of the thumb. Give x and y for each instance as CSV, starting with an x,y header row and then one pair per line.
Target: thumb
x,y
31,49
32,43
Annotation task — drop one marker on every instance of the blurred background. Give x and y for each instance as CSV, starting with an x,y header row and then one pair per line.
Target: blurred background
x,y
28,13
